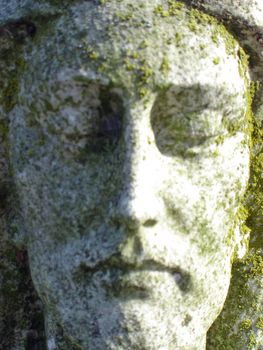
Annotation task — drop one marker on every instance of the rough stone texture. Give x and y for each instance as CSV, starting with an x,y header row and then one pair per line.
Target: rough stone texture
x,y
21,316
21,312
240,323
130,226
244,18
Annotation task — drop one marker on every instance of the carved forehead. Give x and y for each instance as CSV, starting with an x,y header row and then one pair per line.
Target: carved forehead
x,y
150,43
244,18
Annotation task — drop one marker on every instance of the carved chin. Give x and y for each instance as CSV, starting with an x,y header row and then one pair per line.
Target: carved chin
x,y
136,309
133,323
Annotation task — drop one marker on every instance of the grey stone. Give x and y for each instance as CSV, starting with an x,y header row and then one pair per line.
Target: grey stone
x,y
129,135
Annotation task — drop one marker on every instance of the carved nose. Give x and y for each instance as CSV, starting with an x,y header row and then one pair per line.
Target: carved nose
x,y
137,207
139,203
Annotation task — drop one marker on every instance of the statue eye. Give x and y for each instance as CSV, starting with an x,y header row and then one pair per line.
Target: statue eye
x,y
106,130
183,119
105,135
109,127
82,118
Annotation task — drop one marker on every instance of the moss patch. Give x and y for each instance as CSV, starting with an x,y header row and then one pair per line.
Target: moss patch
x,y
236,326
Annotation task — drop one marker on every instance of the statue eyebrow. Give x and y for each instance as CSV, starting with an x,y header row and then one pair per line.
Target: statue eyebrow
x,y
202,89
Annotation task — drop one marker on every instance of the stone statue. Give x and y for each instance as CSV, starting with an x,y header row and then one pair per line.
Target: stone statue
x,y
129,146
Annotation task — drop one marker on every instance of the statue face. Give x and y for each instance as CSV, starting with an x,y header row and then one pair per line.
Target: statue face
x,y
129,175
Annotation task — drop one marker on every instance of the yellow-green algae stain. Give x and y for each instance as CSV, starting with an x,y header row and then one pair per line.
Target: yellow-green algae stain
x,y
241,318
196,21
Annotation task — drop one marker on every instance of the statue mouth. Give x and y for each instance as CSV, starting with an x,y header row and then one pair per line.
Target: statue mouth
x,y
137,278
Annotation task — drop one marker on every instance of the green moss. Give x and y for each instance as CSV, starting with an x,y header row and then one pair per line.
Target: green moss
x,y
135,55
255,190
178,38
219,31
192,25
214,38
145,73
216,60
255,265
252,341
243,62
259,323
198,21
159,10
175,5
144,44
246,324
124,16
130,66
165,66
202,17
244,212
242,299
230,331
219,140
174,9
239,220
94,55
102,68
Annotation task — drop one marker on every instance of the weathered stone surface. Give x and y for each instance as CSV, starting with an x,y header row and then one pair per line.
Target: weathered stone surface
x,y
129,148
240,323
21,314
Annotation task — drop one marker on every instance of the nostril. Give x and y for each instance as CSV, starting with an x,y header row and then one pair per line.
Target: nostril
x,y
150,223
129,222
132,223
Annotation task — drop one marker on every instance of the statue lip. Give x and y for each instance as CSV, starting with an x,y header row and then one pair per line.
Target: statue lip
x,y
119,267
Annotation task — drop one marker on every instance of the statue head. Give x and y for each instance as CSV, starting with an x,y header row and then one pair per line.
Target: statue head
x,y
129,146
